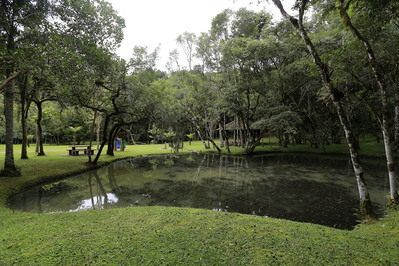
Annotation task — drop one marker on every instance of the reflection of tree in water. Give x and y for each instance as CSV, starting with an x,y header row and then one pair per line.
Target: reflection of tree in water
x,y
299,200
268,186
37,199
111,178
96,200
91,191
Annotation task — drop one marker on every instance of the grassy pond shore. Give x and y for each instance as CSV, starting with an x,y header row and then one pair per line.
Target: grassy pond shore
x,y
171,235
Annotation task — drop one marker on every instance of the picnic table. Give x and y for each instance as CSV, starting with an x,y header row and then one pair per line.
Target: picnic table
x,y
75,149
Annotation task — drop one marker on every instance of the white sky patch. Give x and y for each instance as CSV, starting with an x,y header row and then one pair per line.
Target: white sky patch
x,y
159,22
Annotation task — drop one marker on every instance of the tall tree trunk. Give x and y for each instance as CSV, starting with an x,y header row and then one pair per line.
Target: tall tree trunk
x,y
98,130
225,136
366,209
9,165
91,136
24,149
346,20
24,111
220,135
39,105
241,136
235,133
397,126
37,148
226,139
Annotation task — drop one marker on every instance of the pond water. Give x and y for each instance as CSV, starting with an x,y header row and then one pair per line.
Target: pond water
x,y
301,188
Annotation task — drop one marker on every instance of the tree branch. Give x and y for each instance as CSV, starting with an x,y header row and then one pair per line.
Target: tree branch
x,y
279,5
346,4
9,79
302,11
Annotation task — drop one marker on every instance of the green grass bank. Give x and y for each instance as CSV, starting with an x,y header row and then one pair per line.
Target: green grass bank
x,y
159,235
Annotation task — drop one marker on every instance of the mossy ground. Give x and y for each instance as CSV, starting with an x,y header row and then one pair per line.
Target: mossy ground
x,y
156,235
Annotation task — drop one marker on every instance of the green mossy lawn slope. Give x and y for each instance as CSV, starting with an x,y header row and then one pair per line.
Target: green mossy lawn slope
x,y
155,235
174,235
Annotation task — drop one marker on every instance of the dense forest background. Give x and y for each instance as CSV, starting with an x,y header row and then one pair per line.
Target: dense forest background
x,y
252,72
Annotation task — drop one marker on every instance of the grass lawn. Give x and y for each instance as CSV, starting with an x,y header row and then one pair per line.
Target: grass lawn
x,y
156,235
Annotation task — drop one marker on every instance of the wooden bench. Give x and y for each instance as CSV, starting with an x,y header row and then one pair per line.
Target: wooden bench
x,y
74,151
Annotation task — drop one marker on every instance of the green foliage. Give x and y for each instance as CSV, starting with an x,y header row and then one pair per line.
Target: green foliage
x,y
75,129
174,141
281,121
190,136
141,60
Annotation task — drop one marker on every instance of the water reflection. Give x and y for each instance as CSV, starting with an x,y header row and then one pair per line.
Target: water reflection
x,y
98,202
299,188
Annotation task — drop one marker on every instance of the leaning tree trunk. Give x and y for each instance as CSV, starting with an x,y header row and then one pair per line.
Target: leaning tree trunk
x,y
366,209
200,136
95,161
105,139
256,142
111,140
9,165
107,118
346,20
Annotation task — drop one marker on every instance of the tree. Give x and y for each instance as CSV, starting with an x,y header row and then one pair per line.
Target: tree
x,y
187,41
249,24
142,60
91,31
325,75
173,62
343,7
25,104
74,131
245,98
17,16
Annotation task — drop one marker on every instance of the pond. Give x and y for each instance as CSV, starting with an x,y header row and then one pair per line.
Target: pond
x,y
303,188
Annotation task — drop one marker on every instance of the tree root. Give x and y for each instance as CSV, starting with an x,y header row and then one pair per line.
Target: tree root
x,y
10,173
